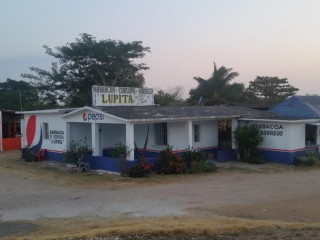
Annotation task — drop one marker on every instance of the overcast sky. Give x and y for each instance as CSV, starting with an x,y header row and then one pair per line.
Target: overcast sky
x,y
254,37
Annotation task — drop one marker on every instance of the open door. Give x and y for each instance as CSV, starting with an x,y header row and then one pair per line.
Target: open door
x,y
224,134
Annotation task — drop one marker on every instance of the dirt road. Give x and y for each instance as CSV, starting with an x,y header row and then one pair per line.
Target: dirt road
x,y
289,196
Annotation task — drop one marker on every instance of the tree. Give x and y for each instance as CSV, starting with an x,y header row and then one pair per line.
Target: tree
x,y
217,89
271,90
10,92
172,97
88,62
248,138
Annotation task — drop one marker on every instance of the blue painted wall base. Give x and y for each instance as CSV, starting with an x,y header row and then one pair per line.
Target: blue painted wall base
x,y
284,157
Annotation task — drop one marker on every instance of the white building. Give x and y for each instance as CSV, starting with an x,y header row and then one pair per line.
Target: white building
x,y
207,128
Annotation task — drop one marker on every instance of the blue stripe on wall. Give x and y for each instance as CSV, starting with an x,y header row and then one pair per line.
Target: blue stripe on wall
x,y
104,163
112,164
54,156
282,156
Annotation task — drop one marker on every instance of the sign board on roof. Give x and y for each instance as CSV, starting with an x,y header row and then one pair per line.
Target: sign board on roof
x,y
121,96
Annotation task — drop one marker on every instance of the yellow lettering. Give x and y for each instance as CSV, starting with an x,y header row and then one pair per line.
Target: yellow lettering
x,y
110,98
104,100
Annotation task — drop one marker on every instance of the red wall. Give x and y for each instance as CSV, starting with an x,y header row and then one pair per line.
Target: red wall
x,y
11,143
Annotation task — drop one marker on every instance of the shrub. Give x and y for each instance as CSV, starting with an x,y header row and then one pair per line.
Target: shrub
x,y
256,158
248,138
75,152
193,155
29,156
196,162
169,163
141,169
201,167
121,151
309,159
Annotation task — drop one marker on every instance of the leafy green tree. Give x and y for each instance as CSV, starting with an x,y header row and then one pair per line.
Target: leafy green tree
x,y
248,139
10,92
271,90
217,89
88,62
163,98
169,98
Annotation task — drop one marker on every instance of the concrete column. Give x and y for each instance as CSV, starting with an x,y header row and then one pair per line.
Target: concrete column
x,y
67,135
23,133
234,125
189,133
95,138
130,140
100,141
1,149
318,137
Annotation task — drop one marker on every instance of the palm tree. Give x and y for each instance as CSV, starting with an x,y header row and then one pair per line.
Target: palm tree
x,y
215,89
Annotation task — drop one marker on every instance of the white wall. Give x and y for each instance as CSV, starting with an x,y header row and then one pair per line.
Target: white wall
x,y
55,123
288,136
177,137
298,136
140,134
81,132
208,134
112,134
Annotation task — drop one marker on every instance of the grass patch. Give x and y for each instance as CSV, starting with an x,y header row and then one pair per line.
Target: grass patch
x,y
86,228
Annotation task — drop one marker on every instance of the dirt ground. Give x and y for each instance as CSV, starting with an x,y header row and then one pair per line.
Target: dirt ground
x,y
258,193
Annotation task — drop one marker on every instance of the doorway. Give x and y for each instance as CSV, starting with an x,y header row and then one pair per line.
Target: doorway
x,y
224,134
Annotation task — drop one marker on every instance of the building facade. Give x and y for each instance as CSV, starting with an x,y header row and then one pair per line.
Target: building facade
x,y
207,128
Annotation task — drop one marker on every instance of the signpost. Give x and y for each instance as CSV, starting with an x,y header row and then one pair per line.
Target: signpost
x,y
121,96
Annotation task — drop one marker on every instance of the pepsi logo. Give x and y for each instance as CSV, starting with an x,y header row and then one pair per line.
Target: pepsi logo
x,y
84,116
31,129
92,117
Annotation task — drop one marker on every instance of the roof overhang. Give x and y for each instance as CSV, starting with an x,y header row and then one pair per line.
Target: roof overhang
x,y
315,124
58,110
281,120
151,120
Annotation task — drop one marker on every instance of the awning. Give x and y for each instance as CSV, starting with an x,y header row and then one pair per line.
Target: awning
x,y
315,124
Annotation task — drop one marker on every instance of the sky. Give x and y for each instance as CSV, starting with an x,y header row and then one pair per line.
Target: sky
x,y
253,37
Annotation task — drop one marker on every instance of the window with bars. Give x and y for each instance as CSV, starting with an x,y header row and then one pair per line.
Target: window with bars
x,y
196,132
160,130
45,130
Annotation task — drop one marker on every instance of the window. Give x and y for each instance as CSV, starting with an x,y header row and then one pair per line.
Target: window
x,y
45,130
160,130
196,132
311,133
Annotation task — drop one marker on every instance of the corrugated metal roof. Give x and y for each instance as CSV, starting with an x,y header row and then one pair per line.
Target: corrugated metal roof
x,y
299,106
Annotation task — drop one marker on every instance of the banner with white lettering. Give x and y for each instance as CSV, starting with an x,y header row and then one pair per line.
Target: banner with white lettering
x,y
121,96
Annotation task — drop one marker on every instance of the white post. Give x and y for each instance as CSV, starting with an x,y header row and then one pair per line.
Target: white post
x,y
95,138
67,135
189,134
100,142
1,149
318,137
234,125
130,140
23,133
